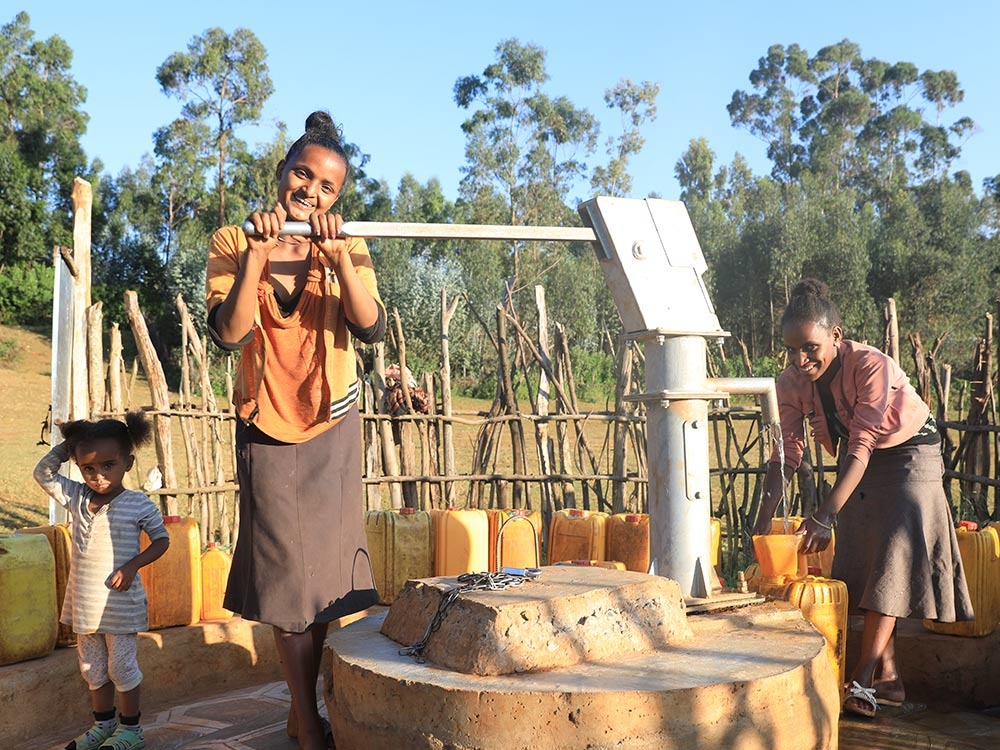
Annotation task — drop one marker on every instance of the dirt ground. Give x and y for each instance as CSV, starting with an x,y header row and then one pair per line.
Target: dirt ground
x,y
25,392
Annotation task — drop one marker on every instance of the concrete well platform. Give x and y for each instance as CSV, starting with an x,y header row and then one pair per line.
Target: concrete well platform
x,y
755,678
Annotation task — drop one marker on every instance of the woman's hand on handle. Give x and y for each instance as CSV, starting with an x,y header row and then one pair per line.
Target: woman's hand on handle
x,y
326,228
267,225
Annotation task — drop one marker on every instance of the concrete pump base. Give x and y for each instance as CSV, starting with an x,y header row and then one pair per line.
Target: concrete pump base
x,y
752,678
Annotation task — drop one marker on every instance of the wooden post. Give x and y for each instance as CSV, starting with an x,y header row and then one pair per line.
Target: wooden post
x,y
389,458
891,343
159,393
95,358
624,378
115,367
373,467
407,451
447,431
432,442
509,400
542,405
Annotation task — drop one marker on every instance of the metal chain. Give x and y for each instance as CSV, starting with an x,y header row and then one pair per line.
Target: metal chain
x,y
467,582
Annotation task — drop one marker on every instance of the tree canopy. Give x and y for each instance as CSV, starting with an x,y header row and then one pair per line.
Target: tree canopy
x,y
861,192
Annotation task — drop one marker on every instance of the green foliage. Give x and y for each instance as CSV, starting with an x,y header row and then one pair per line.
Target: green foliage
x,y
222,79
859,195
637,103
594,372
40,152
26,293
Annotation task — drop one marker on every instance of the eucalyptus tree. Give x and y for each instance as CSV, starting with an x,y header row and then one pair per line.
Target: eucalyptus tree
x,y
525,152
636,103
858,121
128,239
223,83
182,159
41,122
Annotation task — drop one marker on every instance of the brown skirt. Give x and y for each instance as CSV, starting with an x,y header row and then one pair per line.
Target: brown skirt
x,y
896,544
301,556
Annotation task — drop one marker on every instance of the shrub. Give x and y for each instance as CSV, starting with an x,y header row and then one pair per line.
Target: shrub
x,y
26,293
10,352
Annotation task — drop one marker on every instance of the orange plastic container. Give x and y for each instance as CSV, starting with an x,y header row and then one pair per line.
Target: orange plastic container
x,y
778,554
823,602
215,565
515,538
61,543
28,621
821,560
980,552
627,540
401,546
173,582
461,541
576,534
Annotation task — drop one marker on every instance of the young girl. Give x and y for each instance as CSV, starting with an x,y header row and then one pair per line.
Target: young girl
x,y
291,305
105,602
896,545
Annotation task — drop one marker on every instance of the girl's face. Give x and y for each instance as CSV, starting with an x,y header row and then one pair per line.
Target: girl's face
x,y
310,182
103,465
811,347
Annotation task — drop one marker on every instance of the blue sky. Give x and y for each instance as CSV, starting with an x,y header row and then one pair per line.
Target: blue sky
x,y
396,64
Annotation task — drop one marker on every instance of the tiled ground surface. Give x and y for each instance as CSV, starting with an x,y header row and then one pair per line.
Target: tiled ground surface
x,y
254,719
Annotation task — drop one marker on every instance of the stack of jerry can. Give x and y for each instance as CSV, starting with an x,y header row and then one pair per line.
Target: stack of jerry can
x,y
461,541
173,582
28,620
980,551
515,538
577,534
823,602
401,546
61,542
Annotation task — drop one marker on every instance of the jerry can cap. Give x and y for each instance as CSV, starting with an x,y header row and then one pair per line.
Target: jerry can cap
x,y
171,519
576,512
407,511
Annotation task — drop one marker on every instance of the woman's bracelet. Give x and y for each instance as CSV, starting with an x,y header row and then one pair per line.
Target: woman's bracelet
x,y
827,526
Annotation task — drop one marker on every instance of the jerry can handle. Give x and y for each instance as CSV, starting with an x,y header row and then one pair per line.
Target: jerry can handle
x,y
534,535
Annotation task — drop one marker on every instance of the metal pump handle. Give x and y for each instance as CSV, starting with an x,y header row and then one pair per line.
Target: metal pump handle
x,y
414,230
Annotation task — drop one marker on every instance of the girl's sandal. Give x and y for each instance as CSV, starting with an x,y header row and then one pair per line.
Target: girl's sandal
x,y
856,699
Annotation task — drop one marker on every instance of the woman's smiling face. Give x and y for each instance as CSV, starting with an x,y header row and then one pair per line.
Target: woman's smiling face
x,y
310,182
811,347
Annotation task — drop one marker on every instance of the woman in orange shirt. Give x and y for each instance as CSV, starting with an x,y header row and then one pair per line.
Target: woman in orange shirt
x,y
292,305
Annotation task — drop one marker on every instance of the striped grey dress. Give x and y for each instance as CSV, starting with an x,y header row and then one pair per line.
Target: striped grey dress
x,y
102,543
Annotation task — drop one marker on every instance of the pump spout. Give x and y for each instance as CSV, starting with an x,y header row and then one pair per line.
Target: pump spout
x,y
763,387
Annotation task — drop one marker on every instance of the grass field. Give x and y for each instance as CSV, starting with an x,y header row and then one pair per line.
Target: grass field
x,y
25,392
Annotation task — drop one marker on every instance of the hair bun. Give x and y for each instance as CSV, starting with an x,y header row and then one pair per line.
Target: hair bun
x,y
321,121
811,288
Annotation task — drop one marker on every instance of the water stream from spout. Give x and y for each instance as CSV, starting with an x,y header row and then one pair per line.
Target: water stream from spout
x,y
772,433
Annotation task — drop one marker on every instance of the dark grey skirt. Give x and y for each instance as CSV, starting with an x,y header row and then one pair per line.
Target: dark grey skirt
x,y
896,544
301,556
